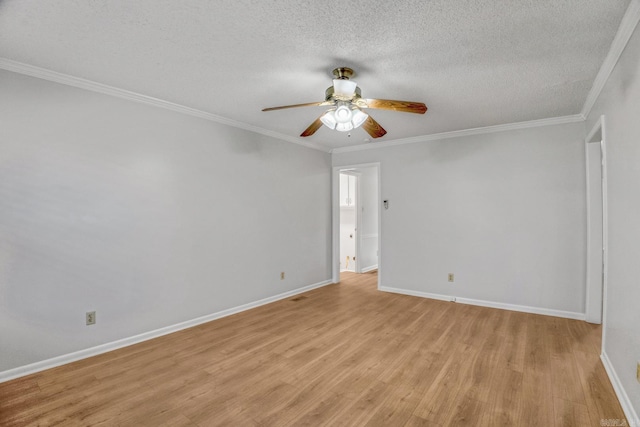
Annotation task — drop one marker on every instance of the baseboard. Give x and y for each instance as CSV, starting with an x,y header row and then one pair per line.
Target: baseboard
x,y
416,293
371,268
623,398
481,303
114,345
522,308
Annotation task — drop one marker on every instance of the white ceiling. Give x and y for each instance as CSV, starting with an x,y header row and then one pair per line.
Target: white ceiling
x,y
474,63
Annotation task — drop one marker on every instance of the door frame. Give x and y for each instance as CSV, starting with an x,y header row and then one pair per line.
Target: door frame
x,y
598,135
335,218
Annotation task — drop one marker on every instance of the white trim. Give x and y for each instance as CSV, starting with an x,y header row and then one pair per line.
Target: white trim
x,y
596,127
623,398
125,342
358,206
335,225
380,202
522,308
370,268
627,26
490,304
605,229
53,76
417,293
465,132
598,317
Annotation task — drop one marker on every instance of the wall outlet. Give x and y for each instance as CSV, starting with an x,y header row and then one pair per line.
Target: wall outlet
x,y
91,317
282,275
451,277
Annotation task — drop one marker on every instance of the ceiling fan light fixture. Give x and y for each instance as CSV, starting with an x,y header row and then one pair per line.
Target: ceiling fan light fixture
x,y
345,101
343,113
328,119
359,117
344,127
344,118
344,88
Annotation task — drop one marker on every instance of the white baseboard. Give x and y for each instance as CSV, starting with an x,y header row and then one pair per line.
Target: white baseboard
x,y
625,402
481,303
114,345
522,308
371,268
416,293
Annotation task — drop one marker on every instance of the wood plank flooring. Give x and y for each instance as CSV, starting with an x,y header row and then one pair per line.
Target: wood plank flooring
x,y
344,354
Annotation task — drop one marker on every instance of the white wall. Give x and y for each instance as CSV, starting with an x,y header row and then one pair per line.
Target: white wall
x,y
147,216
620,103
504,212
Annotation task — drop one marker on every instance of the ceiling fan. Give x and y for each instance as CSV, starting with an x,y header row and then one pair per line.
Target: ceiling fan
x,y
346,103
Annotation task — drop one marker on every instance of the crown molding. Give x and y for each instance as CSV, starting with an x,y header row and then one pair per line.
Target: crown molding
x,y
465,132
625,31
65,79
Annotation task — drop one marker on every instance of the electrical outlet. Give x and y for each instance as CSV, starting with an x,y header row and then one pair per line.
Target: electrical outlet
x,y
91,317
282,275
451,277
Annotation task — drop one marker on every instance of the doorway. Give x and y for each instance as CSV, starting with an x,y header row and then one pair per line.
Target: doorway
x,y
349,220
356,219
596,168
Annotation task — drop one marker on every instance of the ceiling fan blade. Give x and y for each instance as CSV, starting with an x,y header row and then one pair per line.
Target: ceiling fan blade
x,y
403,106
373,128
309,104
313,127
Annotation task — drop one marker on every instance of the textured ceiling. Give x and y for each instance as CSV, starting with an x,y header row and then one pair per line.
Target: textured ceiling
x,y
474,63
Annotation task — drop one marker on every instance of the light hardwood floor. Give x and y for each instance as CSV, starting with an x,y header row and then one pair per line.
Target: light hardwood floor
x,y
344,354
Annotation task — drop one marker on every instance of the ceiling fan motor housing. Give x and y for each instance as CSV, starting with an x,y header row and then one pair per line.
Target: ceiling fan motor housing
x,y
330,95
343,73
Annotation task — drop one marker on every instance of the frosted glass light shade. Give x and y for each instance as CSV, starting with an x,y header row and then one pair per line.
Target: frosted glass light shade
x,y
345,88
343,114
329,120
344,127
359,117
